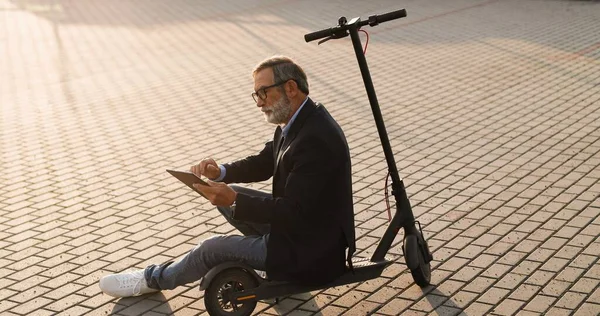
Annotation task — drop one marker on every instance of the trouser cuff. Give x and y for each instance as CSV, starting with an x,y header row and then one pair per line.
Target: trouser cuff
x,y
152,274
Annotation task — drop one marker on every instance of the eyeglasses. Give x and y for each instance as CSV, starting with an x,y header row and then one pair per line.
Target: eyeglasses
x,y
262,93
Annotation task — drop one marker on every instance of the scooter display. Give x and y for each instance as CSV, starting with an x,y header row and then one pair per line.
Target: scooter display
x,y
234,288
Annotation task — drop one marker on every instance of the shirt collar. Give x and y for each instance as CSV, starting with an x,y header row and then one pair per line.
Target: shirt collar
x,y
286,128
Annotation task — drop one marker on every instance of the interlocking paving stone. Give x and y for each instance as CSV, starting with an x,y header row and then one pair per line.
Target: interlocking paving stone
x,y
491,108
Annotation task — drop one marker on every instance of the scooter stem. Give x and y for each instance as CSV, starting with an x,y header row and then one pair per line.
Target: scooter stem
x,y
404,216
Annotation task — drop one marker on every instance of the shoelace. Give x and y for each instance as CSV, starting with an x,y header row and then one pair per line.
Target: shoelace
x,y
132,280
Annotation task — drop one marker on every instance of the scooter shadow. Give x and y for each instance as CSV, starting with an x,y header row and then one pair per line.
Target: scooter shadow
x,y
442,304
138,305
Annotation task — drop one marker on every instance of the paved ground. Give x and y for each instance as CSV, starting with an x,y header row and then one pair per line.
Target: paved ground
x,y
493,109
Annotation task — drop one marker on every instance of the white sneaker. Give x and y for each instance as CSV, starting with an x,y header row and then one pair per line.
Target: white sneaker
x,y
124,284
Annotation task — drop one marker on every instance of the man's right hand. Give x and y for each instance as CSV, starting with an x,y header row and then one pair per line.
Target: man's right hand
x,y
207,167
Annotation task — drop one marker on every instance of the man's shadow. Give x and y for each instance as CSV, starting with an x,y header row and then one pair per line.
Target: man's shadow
x,y
290,303
157,302
287,304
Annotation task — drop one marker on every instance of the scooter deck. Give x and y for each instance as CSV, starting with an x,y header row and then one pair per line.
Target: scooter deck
x,y
363,269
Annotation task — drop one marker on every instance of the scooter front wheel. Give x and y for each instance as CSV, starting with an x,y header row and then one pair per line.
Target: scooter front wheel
x,y
218,295
415,259
422,274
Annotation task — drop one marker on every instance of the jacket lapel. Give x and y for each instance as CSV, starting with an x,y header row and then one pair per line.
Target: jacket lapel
x,y
308,108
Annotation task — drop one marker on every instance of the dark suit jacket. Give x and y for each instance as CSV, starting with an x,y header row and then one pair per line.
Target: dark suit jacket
x,y
311,209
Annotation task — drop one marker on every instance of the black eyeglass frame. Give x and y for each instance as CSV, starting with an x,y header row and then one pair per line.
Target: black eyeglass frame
x,y
263,91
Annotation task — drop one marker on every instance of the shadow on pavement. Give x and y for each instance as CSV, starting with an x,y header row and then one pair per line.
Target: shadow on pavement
x,y
442,304
289,304
156,302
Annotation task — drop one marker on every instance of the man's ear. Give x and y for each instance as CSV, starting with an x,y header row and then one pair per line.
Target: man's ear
x,y
291,88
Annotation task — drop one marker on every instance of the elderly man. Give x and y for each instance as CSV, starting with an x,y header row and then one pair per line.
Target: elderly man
x,y
303,231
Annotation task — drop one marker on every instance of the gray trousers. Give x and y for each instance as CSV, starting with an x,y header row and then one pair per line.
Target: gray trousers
x,y
251,249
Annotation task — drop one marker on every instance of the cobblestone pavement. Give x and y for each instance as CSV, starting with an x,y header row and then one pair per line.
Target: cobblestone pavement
x,y
492,107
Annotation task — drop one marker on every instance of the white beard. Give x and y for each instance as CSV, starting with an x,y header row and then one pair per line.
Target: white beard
x,y
279,112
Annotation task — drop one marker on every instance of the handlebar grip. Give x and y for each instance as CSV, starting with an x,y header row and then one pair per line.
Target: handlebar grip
x,y
318,35
391,16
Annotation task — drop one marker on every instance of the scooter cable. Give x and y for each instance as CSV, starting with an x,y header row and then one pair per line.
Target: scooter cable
x,y
366,44
387,199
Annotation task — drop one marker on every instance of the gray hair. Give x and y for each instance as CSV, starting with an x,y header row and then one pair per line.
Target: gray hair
x,y
284,68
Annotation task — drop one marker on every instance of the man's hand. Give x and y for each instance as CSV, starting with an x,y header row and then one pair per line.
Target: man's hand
x,y
218,193
208,168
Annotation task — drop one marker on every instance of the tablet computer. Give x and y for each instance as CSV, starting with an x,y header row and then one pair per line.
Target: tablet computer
x,y
188,178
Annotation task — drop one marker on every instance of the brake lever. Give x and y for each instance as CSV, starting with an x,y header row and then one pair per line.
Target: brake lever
x,y
338,35
324,40
341,33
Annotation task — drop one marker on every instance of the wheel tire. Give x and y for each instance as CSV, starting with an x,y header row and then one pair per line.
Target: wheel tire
x,y
421,273
229,280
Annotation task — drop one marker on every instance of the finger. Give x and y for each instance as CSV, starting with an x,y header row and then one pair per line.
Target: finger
x,y
210,188
203,188
195,170
201,166
216,185
205,163
207,192
212,168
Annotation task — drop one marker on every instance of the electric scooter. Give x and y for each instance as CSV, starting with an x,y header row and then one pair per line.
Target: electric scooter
x,y
234,288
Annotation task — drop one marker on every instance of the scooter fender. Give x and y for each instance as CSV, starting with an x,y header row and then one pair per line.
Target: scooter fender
x,y
212,273
411,251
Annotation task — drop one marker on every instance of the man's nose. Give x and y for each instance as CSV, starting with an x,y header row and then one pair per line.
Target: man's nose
x,y
260,102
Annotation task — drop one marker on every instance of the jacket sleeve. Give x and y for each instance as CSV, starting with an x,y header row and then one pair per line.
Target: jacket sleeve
x,y
313,163
252,168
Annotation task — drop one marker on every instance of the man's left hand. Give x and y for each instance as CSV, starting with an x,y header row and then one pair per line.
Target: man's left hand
x,y
218,193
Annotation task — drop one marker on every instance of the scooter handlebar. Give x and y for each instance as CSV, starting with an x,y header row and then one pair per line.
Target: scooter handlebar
x,y
373,20
391,16
318,35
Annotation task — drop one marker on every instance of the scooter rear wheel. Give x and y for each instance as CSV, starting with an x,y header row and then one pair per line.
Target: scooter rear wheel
x,y
217,297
